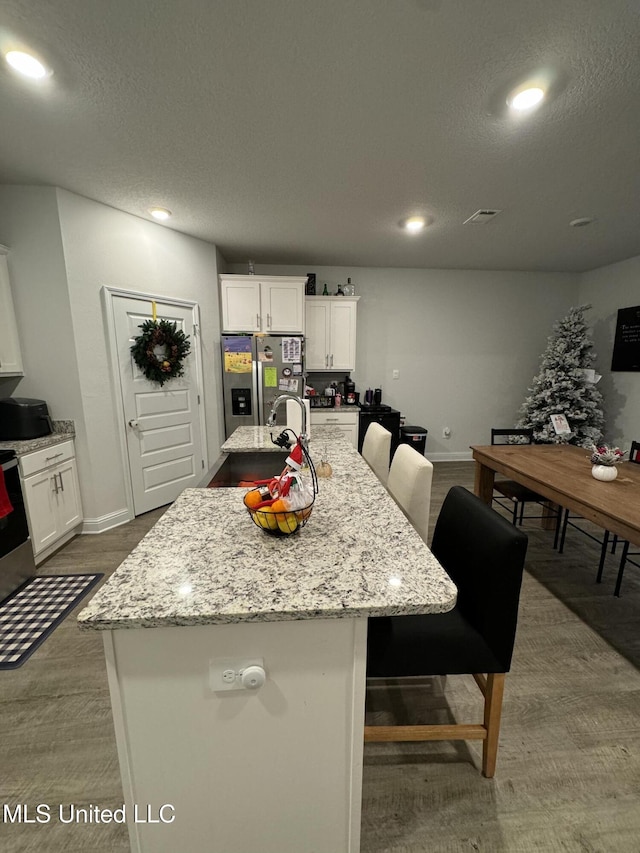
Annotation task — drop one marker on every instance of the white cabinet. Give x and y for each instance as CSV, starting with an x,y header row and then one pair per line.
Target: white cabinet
x,y
330,332
345,420
52,496
10,357
267,304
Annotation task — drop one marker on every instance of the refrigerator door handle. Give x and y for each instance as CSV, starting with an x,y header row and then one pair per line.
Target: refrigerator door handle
x,y
256,391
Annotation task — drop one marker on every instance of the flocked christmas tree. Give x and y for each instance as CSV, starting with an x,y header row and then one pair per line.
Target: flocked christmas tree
x,y
563,386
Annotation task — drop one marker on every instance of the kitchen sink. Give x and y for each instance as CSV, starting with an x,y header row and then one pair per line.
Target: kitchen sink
x,y
230,469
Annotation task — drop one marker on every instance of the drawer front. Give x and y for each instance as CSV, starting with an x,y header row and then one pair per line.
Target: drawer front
x,y
333,418
30,463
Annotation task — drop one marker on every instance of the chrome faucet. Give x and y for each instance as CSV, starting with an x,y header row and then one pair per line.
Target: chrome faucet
x,y
304,437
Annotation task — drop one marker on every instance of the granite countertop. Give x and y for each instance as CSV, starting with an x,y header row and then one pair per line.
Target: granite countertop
x,y
206,562
62,431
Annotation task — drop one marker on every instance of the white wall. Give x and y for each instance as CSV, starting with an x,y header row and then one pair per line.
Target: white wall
x,y
104,246
29,226
467,343
607,289
63,249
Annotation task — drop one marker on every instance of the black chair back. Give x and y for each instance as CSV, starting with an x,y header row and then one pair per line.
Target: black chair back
x,y
484,556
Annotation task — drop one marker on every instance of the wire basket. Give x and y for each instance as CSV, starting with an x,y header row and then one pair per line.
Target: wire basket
x,y
279,523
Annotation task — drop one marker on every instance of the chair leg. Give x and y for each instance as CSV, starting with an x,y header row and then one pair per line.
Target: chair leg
x,y
564,531
603,554
556,537
623,560
514,519
614,543
492,715
521,512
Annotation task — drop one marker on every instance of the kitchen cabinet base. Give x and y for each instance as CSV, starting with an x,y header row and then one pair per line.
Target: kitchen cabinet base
x,y
274,769
55,546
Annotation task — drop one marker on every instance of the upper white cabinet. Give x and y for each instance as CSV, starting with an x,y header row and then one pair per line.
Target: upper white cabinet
x,y
330,332
271,303
10,357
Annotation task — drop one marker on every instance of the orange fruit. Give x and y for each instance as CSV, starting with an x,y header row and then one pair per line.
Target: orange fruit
x,y
304,513
253,498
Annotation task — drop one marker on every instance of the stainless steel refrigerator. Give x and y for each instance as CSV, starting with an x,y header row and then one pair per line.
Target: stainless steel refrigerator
x,y
255,370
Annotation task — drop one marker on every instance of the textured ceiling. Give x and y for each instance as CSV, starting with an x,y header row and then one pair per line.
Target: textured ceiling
x,y
298,131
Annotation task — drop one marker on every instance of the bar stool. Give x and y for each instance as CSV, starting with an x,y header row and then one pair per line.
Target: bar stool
x,y
409,484
376,451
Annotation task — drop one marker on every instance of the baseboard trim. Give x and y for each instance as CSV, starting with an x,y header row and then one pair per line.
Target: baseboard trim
x,y
55,546
456,456
106,522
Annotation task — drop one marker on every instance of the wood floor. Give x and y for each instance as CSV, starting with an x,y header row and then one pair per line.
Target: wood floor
x,y
568,776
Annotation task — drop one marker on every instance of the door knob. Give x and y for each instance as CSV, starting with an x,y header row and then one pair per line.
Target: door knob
x,y
133,423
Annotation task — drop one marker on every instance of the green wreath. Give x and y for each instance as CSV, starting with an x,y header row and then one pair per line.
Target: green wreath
x,y
160,333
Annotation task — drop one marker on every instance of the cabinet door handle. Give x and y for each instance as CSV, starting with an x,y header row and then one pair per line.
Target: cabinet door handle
x,y
332,419
61,483
268,321
331,359
55,488
258,320
55,456
326,361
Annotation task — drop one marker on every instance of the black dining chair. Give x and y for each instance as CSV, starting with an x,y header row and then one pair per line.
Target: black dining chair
x,y
513,496
575,521
484,556
627,555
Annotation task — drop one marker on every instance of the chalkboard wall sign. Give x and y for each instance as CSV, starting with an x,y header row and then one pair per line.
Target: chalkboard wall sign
x,y
626,347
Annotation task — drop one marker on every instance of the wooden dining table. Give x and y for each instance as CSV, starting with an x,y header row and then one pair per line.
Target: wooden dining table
x,y
561,473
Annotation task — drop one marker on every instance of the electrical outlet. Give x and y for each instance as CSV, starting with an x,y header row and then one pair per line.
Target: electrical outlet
x,y
226,673
395,374
446,432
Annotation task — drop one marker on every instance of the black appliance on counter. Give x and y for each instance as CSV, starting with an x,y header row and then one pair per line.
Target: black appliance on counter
x,y
16,555
384,415
23,418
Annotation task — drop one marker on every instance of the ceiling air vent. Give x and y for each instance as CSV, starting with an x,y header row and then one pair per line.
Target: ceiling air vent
x,y
480,217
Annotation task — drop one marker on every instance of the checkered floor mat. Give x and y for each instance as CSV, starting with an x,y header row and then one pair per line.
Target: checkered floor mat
x,y
35,610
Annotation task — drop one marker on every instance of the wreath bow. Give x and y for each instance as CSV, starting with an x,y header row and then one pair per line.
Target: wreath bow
x,y
160,333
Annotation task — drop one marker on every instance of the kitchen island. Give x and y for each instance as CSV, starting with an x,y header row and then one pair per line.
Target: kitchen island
x,y
207,593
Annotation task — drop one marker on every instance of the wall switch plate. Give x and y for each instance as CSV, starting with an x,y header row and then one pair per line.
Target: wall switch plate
x,y
395,374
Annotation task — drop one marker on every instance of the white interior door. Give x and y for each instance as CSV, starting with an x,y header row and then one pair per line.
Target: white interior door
x,y
162,424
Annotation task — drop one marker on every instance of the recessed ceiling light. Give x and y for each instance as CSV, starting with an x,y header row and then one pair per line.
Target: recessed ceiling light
x,y
26,64
160,213
415,224
525,98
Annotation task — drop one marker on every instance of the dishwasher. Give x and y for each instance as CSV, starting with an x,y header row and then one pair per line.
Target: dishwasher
x,y
17,563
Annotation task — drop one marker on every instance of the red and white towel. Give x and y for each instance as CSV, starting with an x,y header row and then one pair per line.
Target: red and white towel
x,y
5,503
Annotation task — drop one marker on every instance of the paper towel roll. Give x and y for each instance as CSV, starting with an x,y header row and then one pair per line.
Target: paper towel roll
x,y
294,416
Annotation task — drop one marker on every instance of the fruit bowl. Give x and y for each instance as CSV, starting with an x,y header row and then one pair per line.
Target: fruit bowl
x,y
276,521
